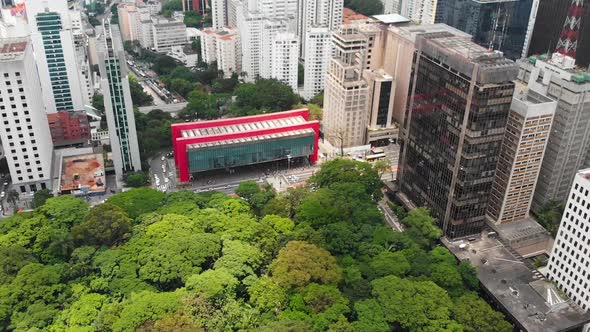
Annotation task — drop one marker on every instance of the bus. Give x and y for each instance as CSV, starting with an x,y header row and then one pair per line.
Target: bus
x,y
374,157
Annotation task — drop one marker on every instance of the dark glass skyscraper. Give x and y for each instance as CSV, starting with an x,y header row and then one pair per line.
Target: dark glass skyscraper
x,y
495,24
459,100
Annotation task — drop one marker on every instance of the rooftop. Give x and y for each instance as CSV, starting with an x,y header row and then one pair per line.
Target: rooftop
x,y
243,127
463,55
12,49
226,142
83,172
391,18
585,173
349,15
530,301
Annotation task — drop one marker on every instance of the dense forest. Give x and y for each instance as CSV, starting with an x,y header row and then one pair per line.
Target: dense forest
x,y
311,259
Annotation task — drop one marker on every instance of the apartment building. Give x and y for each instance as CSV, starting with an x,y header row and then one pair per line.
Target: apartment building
x,y
223,46
168,33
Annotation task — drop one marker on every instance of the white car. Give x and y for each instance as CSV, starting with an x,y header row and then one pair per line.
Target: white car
x,y
163,158
2,194
166,180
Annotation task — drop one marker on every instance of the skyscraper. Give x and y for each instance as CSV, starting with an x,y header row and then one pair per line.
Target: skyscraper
x,y
568,265
569,141
114,84
499,25
317,58
460,98
317,14
51,33
523,148
219,13
24,130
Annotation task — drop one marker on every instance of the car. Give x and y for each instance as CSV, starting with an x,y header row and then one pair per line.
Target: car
x,y
166,180
5,183
163,158
2,195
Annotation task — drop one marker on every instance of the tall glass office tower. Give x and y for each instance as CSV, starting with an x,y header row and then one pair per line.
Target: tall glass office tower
x,y
453,129
495,24
114,84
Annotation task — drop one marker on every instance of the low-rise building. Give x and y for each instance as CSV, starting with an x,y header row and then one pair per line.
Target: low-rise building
x,y
228,143
168,33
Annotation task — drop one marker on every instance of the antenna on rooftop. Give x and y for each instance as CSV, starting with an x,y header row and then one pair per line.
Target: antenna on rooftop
x,y
568,40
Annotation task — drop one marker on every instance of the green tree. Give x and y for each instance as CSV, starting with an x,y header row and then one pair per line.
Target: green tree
x,y
200,106
145,306
41,197
549,216
382,167
137,179
371,317
239,258
267,295
12,259
98,102
318,100
265,94
477,316
192,19
349,171
414,305
390,263
105,224
421,227
138,201
219,283
138,95
173,5
300,263
365,7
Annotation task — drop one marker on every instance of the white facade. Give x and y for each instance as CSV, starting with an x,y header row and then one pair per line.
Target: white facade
x,y
420,11
24,129
168,33
229,54
224,47
219,13
145,33
250,27
391,6
570,258
284,61
62,85
13,25
278,9
317,58
317,13
185,55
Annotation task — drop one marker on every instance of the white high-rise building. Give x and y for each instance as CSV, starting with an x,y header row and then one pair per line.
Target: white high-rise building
x,y
317,13
391,6
570,258
250,27
118,105
284,61
53,45
317,58
420,11
224,47
219,13
24,129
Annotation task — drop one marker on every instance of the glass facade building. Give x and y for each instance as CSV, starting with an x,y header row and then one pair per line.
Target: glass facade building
x,y
458,107
50,26
227,143
118,103
495,24
258,151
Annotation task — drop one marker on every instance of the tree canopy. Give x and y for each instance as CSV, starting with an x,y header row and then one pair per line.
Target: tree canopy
x,y
318,259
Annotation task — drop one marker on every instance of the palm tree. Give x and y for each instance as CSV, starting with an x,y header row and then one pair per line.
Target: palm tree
x,y
12,197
